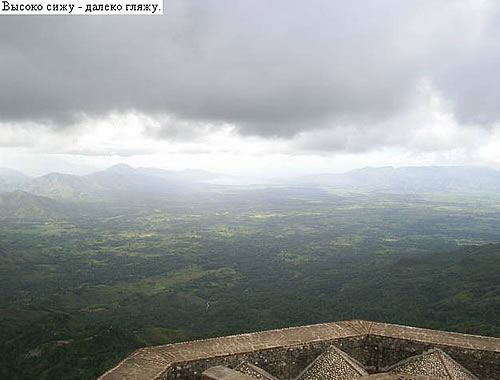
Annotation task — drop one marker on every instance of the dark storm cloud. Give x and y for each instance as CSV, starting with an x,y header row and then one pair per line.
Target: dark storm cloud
x,y
273,68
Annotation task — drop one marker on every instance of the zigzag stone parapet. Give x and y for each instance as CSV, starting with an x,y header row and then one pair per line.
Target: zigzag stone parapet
x,y
333,364
286,352
435,363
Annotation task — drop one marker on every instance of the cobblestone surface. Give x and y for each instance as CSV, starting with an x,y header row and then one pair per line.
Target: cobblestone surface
x,y
223,373
254,372
334,364
434,363
456,371
397,376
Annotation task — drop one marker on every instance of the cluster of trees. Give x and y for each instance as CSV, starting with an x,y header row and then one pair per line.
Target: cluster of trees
x,y
81,291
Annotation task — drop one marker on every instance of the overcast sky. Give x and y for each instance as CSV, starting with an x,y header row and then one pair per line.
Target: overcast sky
x,y
283,85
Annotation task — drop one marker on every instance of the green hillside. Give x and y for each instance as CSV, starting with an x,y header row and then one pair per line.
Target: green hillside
x,y
84,283
29,207
458,290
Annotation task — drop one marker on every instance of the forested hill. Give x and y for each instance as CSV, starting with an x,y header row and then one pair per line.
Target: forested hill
x,y
25,206
122,180
456,290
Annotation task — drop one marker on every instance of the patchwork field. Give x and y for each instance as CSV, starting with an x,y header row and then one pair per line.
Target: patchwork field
x,y
83,287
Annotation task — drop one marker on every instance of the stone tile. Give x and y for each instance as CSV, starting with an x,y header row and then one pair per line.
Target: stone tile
x,y
223,373
434,363
397,376
334,364
254,372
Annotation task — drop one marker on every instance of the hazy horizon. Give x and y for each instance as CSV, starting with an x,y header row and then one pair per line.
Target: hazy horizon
x,y
246,176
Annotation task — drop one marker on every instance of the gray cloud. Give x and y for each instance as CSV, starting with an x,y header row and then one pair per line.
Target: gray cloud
x,y
272,68
106,152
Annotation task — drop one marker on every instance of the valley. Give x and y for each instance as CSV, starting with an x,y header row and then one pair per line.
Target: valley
x,y
86,281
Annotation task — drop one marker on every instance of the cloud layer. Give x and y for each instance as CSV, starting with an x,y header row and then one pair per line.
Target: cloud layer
x,y
326,76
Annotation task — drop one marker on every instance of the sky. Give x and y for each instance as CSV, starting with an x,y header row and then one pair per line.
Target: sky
x,y
265,87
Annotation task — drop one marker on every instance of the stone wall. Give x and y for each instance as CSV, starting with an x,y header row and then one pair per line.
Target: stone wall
x,y
383,352
284,363
374,352
286,352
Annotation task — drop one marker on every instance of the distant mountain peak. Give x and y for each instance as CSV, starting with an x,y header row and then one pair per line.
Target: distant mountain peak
x,y
56,175
121,167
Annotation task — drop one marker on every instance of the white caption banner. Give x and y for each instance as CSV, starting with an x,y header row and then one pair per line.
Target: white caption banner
x,y
81,7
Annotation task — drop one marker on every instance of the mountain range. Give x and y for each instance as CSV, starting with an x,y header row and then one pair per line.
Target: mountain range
x,y
410,179
123,180
115,181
